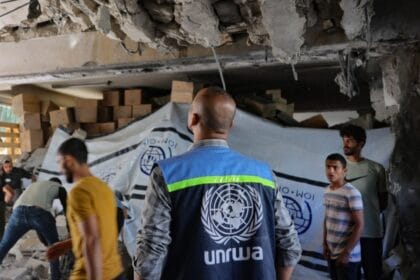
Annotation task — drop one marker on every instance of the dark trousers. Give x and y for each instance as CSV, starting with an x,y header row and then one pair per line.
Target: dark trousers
x,y
24,219
371,258
339,271
2,217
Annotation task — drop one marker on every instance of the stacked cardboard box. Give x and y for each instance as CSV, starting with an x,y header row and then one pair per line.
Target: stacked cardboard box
x,y
281,103
182,92
86,110
27,108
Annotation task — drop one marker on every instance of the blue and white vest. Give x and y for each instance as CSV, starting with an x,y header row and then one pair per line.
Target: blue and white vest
x,y
223,224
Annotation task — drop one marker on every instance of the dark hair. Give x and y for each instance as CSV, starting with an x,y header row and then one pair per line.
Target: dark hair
x,y
76,148
339,158
358,133
55,179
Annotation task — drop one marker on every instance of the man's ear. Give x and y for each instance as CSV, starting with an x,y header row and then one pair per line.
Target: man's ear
x,y
195,119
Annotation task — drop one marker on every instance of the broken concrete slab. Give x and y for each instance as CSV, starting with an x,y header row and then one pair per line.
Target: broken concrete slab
x,y
14,274
160,12
228,12
285,27
39,268
199,23
354,20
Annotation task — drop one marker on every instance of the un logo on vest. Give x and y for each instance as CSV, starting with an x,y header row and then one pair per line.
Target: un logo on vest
x,y
231,212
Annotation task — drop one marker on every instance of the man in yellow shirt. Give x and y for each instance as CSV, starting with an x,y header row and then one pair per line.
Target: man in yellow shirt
x,y
91,216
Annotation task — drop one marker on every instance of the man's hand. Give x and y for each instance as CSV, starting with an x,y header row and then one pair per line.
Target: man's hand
x,y
137,276
343,258
9,193
58,249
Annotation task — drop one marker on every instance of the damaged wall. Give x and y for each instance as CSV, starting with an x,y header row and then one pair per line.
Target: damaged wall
x,y
405,168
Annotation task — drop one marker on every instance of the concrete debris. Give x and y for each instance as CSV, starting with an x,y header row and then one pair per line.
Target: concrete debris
x,y
391,81
354,21
27,260
39,268
285,26
383,112
228,12
163,13
14,274
199,24
31,161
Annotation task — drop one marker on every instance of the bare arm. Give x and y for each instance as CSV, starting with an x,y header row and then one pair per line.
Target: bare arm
x,y
285,273
154,236
58,249
92,251
287,242
357,217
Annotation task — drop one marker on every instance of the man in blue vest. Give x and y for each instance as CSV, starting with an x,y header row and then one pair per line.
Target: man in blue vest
x,y
213,213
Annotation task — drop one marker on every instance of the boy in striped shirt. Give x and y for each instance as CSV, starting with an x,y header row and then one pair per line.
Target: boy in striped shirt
x,y
343,223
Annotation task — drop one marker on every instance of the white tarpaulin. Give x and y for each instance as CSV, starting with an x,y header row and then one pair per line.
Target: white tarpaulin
x,y
124,159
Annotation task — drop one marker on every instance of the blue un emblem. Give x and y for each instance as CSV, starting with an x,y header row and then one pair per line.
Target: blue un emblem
x,y
301,217
152,155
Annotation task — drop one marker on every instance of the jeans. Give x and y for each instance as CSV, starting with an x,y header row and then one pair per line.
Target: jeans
x,y
24,219
371,257
348,271
2,217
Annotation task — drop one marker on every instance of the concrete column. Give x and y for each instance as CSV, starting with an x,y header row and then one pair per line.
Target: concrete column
x,y
405,161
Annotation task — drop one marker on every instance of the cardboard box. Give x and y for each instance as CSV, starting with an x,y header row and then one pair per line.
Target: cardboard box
x,y
107,127
141,110
31,139
275,95
71,126
95,129
111,98
316,121
104,114
132,97
22,103
61,117
86,103
86,114
92,129
47,107
124,121
121,112
182,92
288,109
261,106
31,121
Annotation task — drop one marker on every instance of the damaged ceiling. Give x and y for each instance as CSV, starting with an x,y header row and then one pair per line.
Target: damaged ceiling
x,y
284,25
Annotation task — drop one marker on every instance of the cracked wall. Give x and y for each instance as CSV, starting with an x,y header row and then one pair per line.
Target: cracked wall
x,y
405,169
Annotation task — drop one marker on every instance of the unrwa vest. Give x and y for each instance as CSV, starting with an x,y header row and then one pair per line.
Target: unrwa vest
x,y
222,209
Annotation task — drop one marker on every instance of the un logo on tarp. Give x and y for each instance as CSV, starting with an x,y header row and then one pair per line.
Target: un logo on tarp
x,y
152,155
301,217
231,212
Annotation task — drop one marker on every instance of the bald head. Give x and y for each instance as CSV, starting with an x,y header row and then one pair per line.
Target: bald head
x,y
212,111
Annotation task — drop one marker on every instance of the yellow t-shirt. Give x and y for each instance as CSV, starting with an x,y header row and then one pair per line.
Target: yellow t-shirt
x,y
91,196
